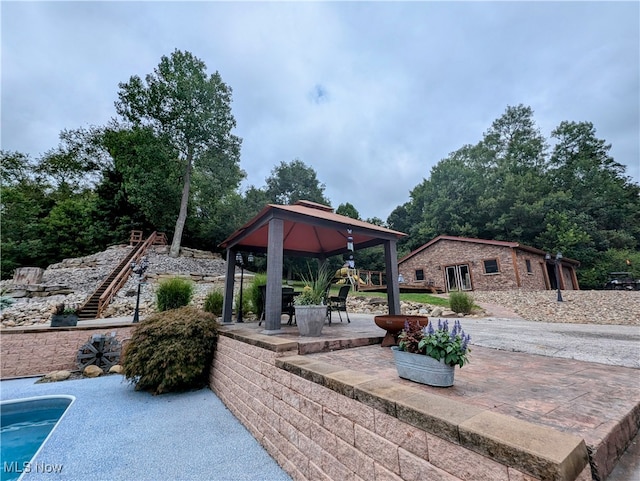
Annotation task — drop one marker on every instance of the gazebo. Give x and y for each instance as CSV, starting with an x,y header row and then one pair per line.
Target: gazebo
x,y
304,229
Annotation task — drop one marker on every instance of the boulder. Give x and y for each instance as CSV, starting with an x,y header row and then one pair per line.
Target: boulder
x,y
117,369
57,376
92,371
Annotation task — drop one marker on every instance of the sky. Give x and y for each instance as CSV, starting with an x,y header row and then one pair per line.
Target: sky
x,y
371,95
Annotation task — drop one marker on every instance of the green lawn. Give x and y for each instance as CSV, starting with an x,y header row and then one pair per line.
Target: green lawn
x,y
423,298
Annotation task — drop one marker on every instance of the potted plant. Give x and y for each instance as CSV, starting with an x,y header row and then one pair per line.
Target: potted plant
x,y
310,307
429,356
64,316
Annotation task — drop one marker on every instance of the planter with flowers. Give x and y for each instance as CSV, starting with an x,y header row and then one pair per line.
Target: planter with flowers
x,y
429,356
310,304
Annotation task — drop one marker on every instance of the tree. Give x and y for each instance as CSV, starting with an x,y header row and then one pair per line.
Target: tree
x,y
24,203
150,174
77,161
192,110
294,181
513,160
348,210
582,166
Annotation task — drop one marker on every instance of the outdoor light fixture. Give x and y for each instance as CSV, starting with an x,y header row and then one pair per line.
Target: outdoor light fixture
x,y
349,241
556,264
139,269
240,262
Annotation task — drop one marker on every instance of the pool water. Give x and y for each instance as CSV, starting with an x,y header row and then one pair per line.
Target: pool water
x,y
25,426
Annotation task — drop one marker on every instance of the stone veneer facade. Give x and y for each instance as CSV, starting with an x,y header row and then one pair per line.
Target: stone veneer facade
x,y
434,258
323,422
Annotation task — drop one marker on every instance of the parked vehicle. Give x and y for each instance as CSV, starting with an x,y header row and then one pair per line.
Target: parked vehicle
x,y
622,280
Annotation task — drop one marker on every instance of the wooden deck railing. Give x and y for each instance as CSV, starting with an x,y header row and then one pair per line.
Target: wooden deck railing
x,y
371,278
122,277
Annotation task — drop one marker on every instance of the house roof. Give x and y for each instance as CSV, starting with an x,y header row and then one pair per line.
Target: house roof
x,y
511,245
310,229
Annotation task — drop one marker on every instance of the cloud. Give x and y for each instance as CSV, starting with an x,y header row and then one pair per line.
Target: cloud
x,y
370,94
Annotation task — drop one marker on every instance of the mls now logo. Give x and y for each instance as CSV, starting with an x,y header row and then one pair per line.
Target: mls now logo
x,y
28,467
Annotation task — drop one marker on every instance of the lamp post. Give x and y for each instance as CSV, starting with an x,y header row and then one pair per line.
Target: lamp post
x,y
240,262
139,269
556,263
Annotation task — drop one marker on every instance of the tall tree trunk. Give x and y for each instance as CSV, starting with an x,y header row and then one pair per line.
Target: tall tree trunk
x,y
182,216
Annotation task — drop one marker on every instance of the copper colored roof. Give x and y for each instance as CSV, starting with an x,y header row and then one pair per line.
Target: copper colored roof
x,y
310,229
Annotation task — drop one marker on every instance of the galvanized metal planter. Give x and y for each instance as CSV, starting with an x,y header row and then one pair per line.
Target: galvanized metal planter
x,y
423,369
311,319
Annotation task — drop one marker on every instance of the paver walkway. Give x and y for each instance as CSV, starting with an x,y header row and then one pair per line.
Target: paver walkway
x,y
599,402
593,401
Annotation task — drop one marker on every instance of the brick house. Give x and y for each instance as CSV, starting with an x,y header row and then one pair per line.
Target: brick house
x,y
460,263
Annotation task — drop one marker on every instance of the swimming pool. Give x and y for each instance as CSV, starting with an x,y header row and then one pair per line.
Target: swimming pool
x,y
25,426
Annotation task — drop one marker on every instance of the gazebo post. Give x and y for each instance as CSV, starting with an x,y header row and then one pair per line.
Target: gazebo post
x,y
227,306
275,256
391,266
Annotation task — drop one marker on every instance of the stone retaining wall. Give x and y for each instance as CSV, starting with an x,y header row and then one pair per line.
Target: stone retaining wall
x,y
35,352
319,421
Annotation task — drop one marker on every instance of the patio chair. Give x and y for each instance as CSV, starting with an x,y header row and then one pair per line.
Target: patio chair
x,y
339,302
287,303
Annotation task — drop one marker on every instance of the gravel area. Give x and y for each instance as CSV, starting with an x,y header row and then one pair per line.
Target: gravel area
x,y
580,307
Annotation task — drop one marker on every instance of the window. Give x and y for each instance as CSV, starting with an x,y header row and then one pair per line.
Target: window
x,y
491,266
529,270
419,274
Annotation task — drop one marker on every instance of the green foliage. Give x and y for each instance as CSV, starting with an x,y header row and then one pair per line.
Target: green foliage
x,y
612,260
575,199
348,210
255,293
5,299
460,302
174,293
294,181
450,347
247,303
213,302
191,111
315,286
171,351
149,174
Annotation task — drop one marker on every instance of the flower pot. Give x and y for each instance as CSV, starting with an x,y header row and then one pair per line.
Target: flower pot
x,y
64,320
311,319
393,324
423,369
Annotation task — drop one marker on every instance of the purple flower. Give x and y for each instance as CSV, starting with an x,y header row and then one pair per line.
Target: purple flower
x,y
465,341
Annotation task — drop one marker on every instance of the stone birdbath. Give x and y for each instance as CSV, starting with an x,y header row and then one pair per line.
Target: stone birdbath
x,y
394,323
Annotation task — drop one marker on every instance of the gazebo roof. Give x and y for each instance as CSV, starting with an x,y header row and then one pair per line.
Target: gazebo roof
x,y
310,229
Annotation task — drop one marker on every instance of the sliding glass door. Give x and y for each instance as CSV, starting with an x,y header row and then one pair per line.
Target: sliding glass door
x,y
458,278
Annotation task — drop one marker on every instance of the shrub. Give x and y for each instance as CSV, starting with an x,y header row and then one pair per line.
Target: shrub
x,y
174,293
461,302
213,302
171,351
255,293
247,303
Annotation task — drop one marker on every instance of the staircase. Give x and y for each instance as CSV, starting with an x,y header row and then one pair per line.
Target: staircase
x,y
105,292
